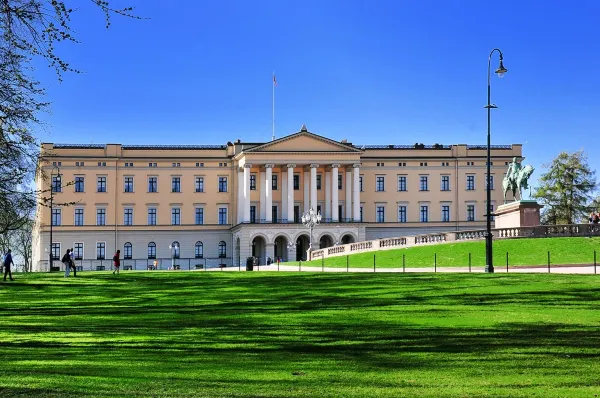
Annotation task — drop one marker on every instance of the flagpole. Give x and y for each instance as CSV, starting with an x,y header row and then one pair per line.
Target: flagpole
x,y
273,83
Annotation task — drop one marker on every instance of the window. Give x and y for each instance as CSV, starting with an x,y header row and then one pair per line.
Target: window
x,y
296,182
470,183
128,216
445,164
100,216
445,183
423,164
101,164
199,164
57,164
101,184
128,184
79,217
175,249
401,183
253,214
199,184
274,214
100,250
152,184
401,213
470,163
470,212
152,165
175,216
79,164
56,183
222,215
222,249
127,251
199,250
253,182
79,184
318,181
318,209
151,250
445,213
380,214
152,216
380,185
222,184
296,214
176,184
274,182
360,183
340,212
423,182
492,211
402,164
424,217
339,181
78,251
199,215
491,181
176,164
56,213
56,251
361,214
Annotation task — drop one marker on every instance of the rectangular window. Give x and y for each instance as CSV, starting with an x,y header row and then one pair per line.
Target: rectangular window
x,y
380,185
253,182
128,216
127,251
199,184
401,213
128,184
175,216
361,214
318,209
79,217
339,181
152,184
296,182
79,184
401,183
101,184
296,214
100,251
341,212
470,212
470,183
445,213
274,214
491,181
199,250
253,214
222,184
100,216
318,181
360,183
152,216
199,215
56,251
492,211
152,251
222,215
78,251
380,214
274,182
423,183
56,213
445,183
424,217
56,183
176,184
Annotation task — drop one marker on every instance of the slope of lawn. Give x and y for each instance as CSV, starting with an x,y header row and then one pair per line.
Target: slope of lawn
x,y
520,252
191,334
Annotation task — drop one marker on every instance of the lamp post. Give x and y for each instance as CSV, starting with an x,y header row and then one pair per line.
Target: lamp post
x,y
489,262
310,219
174,246
52,188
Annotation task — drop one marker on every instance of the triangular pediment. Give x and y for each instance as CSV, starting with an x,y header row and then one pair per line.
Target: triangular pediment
x,y
304,141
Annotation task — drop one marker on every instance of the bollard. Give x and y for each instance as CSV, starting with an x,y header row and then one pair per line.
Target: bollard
x,y
594,261
434,262
323,264
240,264
373,263
506,262
548,261
403,263
300,265
347,264
277,265
469,262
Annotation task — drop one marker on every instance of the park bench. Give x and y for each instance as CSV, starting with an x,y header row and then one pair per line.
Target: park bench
x,y
100,268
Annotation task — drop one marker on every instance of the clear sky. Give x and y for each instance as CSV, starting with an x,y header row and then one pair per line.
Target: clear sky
x,y
374,72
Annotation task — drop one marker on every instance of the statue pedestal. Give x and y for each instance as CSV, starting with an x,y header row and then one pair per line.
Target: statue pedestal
x,y
524,213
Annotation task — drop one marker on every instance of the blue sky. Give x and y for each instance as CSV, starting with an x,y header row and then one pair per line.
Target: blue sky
x,y
374,72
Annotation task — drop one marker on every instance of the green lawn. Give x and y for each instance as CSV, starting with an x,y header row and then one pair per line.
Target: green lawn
x,y
222,334
520,252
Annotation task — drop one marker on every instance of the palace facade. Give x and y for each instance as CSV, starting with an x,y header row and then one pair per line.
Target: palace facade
x,y
223,203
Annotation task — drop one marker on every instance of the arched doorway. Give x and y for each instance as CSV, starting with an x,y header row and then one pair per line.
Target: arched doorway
x,y
237,251
325,241
302,243
281,250
259,249
347,239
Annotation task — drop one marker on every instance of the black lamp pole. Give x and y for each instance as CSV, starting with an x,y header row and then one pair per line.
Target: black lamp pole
x,y
489,262
52,187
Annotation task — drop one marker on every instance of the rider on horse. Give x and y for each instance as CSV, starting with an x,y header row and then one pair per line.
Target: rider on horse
x,y
512,174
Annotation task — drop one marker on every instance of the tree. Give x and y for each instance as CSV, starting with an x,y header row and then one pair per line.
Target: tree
x,y
22,242
566,188
28,29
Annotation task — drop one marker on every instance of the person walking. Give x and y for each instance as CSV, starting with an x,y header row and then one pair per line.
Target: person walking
x,y
117,262
8,261
66,260
72,262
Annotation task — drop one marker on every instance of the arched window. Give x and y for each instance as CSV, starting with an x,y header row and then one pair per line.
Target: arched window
x,y
175,249
199,250
222,249
151,250
127,251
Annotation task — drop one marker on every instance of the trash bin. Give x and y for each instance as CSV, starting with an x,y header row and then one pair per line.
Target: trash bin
x,y
250,264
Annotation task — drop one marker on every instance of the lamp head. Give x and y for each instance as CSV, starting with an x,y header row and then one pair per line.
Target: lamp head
x,y
501,69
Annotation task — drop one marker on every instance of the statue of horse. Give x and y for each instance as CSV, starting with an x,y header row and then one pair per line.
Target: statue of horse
x,y
520,183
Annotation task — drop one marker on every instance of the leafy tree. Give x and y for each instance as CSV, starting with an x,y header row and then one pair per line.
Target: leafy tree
x,y
29,29
566,188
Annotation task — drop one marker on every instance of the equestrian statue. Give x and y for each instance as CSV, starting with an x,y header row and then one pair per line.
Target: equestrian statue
x,y
516,179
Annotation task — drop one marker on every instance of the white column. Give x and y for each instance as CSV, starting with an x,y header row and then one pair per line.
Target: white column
x,y
247,192
263,192
240,196
306,189
290,187
269,193
334,192
327,194
356,192
284,195
348,193
313,186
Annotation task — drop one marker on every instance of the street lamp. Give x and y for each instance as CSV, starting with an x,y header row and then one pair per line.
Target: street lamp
x,y
52,188
174,247
489,265
310,219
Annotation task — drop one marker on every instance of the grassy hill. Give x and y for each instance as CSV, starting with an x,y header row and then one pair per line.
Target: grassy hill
x,y
520,252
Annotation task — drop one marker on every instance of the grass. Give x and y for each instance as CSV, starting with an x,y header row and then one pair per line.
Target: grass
x,y
192,334
520,252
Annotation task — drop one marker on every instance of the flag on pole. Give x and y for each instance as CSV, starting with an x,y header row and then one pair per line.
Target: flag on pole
x,y
275,81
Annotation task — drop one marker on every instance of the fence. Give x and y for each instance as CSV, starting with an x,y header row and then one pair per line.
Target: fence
x,y
146,264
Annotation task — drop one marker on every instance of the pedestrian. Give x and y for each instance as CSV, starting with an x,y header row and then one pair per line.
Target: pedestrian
x,y
66,260
117,261
7,263
278,260
72,262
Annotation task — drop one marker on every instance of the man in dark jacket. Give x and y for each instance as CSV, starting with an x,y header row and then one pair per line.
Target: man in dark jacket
x,y
7,263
